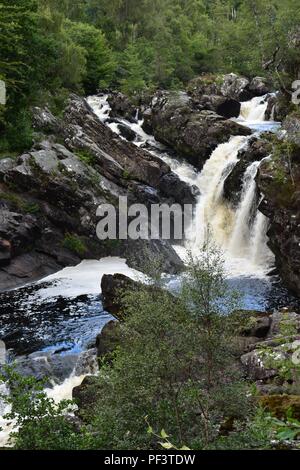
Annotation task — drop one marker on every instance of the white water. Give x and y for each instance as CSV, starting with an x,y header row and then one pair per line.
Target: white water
x,y
85,278
240,232
243,241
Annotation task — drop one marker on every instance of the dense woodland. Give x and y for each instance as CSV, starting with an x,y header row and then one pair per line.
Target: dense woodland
x,y
170,372
52,47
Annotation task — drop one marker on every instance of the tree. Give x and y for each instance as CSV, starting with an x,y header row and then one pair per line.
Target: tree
x,y
174,365
132,71
100,63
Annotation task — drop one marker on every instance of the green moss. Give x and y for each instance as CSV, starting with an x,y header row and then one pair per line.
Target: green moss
x,y
20,204
86,157
280,405
74,244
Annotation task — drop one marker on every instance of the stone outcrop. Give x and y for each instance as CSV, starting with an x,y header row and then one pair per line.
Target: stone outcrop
x,y
194,134
49,196
277,345
279,182
230,86
256,150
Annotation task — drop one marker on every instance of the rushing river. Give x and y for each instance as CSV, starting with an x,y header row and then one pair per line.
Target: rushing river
x,y
54,321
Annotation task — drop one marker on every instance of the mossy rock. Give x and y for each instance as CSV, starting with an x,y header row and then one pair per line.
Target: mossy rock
x,y
279,405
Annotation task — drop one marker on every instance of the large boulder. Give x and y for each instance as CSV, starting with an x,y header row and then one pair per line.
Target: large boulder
x,y
278,180
108,339
121,105
111,288
255,150
236,87
194,134
279,106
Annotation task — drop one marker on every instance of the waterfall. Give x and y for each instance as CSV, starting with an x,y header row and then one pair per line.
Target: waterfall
x,y
255,109
241,232
239,243
212,212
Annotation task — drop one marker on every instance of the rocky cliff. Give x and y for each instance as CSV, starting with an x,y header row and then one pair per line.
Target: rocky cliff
x,y
49,196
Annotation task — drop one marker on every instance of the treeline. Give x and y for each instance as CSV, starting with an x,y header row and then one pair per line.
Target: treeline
x,y
49,47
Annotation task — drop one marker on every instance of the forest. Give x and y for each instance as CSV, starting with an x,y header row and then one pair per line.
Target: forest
x,y
52,47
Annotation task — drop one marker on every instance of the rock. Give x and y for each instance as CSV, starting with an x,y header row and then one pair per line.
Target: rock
x,y
236,88
126,132
254,363
108,339
121,105
85,395
256,150
171,185
5,252
111,288
260,86
260,324
278,107
147,124
221,105
43,120
291,125
281,205
192,133
284,321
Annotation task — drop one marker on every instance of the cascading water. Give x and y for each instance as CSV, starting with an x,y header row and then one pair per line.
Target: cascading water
x,y
254,110
236,231
240,239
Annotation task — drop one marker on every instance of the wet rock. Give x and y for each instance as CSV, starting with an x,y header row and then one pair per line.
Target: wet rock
x,y
111,288
256,150
260,86
108,339
278,107
121,105
126,132
192,133
236,87
171,185
5,252
281,205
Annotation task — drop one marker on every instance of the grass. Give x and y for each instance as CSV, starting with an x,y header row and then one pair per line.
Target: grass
x,y
19,203
86,157
74,244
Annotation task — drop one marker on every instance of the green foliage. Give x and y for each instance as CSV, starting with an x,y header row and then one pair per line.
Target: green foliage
x,y
73,243
100,63
174,365
40,423
86,157
19,203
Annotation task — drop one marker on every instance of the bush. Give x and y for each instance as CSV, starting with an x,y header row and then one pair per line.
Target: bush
x,y
40,423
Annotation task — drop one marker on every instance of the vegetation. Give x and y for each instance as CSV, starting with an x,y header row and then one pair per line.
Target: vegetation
x,y
73,243
171,382
51,47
